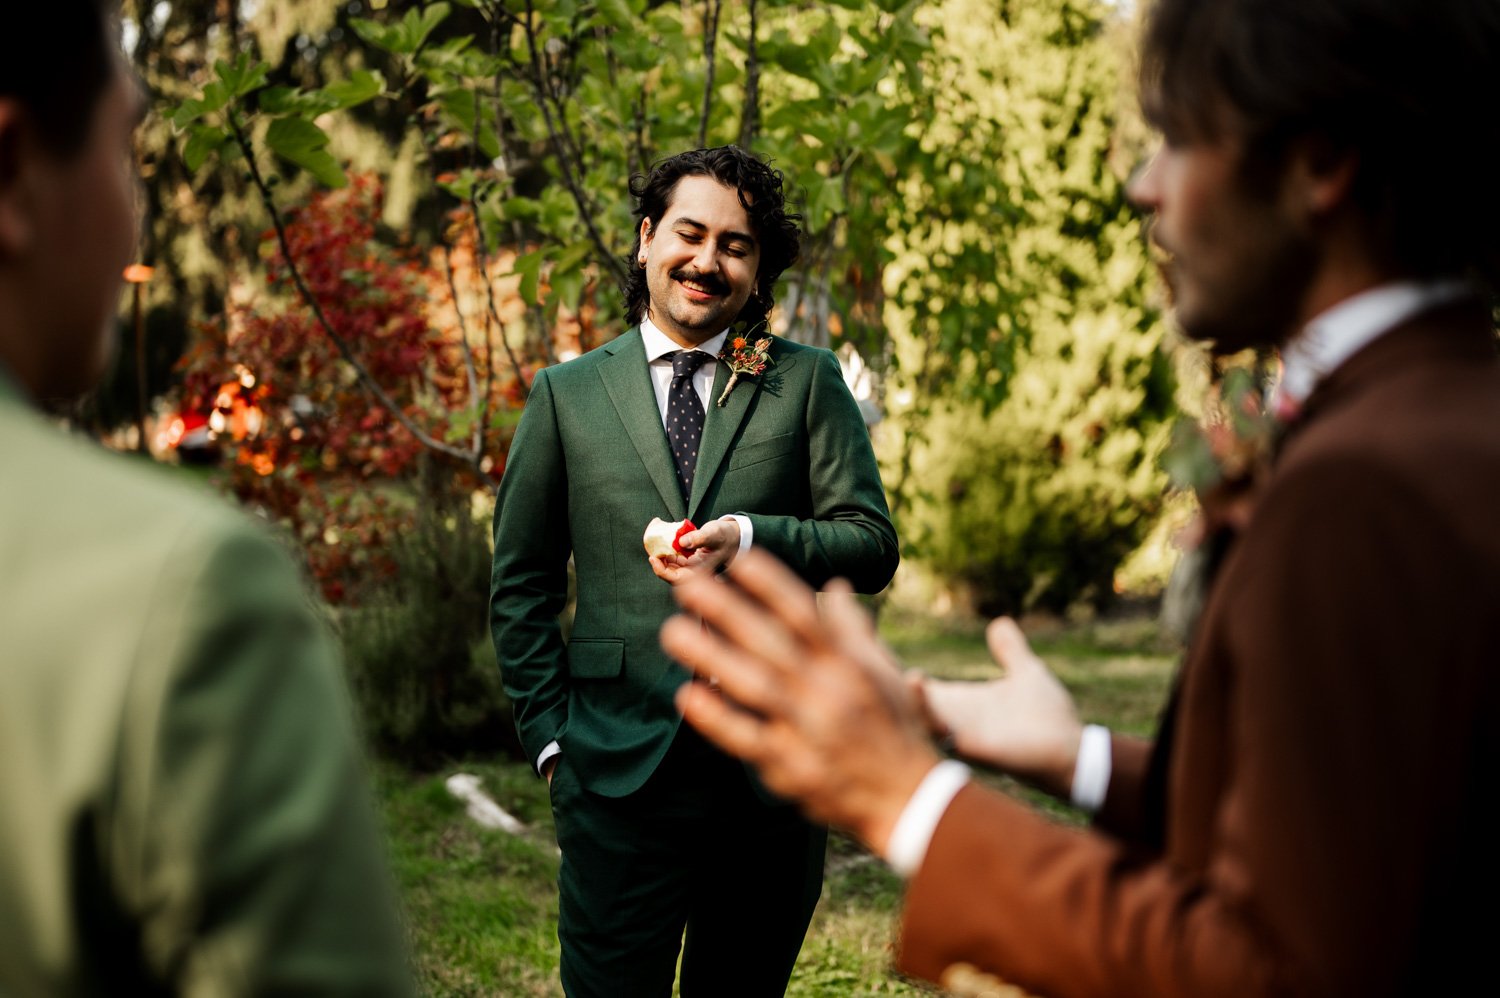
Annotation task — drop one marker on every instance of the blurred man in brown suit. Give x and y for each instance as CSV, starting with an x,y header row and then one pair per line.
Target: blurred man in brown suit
x,y
1308,819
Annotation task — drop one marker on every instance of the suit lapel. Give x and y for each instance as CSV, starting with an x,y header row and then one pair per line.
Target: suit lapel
x,y
628,383
722,423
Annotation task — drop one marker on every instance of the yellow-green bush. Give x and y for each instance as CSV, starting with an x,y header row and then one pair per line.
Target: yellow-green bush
x,y
1029,491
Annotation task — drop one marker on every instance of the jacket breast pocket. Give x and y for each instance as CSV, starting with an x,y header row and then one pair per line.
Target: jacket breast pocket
x,y
746,455
593,658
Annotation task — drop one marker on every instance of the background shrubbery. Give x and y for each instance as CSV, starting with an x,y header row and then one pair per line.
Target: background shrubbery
x,y
1029,493
417,646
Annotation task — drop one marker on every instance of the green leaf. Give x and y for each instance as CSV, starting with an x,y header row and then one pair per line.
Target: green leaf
x,y
243,75
617,13
459,105
188,112
529,266
362,85
203,141
446,63
374,33
825,201
290,101
573,256
299,141
558,209
279,100
460,186
489,142
635,50
419,24
567,287
522,208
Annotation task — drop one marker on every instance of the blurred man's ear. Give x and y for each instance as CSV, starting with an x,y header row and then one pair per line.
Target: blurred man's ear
x,y
15,230
1320,177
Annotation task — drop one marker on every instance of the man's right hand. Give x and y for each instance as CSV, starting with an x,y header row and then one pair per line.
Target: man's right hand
x,y
1024,723
810,697
549,767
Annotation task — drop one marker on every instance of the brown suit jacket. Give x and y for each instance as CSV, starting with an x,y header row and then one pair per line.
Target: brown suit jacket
x,y
1333,744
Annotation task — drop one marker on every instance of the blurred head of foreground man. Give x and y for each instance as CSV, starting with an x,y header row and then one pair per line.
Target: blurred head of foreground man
x,y
1308,819
182,804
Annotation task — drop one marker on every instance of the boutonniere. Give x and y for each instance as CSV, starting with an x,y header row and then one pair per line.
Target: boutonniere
x,y
1220,459
1221,454
744,357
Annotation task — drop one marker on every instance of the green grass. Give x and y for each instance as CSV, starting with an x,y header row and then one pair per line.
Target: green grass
x,y
482,905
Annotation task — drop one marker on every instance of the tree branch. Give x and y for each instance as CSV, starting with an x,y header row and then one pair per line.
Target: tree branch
x,y
750,112
711,9
538,314
472,375
643,160
585,209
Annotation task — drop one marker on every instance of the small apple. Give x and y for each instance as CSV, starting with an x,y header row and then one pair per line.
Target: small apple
x,y
662,537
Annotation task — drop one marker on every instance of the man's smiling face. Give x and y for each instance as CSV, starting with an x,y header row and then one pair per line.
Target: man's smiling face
x,y
701,260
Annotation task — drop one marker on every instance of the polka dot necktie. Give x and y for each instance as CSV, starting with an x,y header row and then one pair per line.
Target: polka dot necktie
x,y
685,415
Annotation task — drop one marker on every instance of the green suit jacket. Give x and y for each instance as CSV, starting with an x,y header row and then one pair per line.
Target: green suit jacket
x,y
589,468
183,808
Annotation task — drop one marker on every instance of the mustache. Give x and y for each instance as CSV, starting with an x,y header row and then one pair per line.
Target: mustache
x,y
712,283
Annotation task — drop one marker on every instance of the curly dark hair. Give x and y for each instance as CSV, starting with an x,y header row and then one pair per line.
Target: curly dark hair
x,y
1408,88
760,192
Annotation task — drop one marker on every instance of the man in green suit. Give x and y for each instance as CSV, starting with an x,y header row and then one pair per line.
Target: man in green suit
x,y
183,808
660,833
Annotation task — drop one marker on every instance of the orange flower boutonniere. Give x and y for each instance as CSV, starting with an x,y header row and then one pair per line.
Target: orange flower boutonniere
x,y
745,358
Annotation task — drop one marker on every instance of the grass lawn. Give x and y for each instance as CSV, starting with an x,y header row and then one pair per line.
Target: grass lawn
x,y
482,904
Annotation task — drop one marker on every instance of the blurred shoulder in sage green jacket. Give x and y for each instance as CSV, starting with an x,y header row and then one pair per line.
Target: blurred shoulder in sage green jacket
x,y
183,806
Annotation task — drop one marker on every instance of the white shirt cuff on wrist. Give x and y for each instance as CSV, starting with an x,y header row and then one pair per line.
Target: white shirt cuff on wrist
x,y
552,749
747,532
1091,771
908,843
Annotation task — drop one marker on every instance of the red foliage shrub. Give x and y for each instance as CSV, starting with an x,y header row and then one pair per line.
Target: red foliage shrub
x,y
318,452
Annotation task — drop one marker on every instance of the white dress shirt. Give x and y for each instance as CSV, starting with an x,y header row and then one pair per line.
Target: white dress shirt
x,y
1331,338
659,363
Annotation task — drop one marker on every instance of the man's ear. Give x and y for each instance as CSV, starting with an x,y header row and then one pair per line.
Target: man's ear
x,y
1321,177
645,240
15,218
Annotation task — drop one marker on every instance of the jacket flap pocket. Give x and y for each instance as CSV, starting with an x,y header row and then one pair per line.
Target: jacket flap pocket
x,y
595,659
744,455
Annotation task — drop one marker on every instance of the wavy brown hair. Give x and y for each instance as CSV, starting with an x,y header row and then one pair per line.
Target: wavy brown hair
x,y
1407,87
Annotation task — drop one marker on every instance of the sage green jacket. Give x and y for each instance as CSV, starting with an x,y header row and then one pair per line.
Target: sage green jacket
x,y
183,808
588,470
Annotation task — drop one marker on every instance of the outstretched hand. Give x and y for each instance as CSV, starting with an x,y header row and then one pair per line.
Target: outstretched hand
x,y
1024,723
811,697
708,548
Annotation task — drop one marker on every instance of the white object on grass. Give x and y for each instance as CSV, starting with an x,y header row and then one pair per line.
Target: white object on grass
x,y
480,806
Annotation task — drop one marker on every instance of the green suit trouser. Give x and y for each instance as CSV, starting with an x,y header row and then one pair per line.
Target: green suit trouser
x,y
698,849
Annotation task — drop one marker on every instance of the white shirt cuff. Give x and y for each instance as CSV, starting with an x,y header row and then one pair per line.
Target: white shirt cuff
x,y
552,749
747,532
908,843
1091,771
